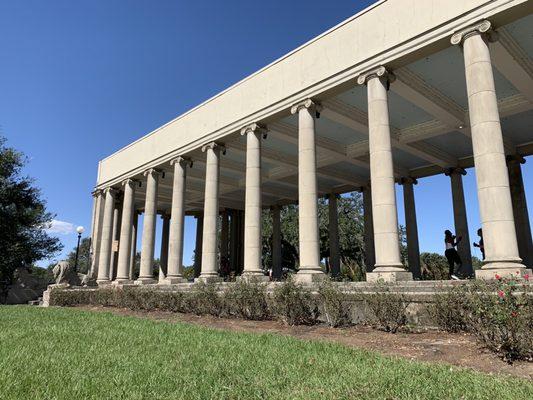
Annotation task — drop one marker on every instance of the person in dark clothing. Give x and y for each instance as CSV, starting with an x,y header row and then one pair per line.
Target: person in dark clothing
x,y
451,253
480,243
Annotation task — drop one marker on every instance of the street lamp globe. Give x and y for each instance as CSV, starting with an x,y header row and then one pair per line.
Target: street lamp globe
x,y
80,229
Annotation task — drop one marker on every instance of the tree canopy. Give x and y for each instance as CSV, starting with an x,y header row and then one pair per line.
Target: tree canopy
x,y
23,218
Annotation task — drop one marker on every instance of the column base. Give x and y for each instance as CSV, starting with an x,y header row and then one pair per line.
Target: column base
x,y
103,282
251,277
145,281
208,279
388,274
173,280
309,275
504,270
121,282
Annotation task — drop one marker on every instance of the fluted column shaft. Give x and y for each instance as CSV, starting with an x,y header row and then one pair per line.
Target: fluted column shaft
x,y
411,227
107,232
125,242
307,193
495,206
146,274
334,252
210,231
384,211
177,221
253,206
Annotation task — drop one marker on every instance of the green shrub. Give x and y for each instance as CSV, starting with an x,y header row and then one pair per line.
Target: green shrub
x,y
204,299
499,313
293,304
450,310
334,305
388,309
247,300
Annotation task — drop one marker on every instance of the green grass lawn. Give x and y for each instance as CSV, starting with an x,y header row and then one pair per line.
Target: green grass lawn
x,y
70,354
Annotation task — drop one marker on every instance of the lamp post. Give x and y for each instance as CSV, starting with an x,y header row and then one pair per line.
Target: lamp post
x,y
80,230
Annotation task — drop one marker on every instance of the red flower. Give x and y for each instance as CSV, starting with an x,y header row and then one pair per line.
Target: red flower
x,y
497,276
514,314
526,277
501,295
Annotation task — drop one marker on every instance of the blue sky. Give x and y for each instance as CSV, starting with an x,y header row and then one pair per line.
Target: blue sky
x,y
79,80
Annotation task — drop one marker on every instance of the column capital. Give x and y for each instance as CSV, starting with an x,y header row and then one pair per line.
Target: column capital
x,y
215,146
97,192
454,170
182,160
255,128
378,72
111,190
481,28
307,103
515,158
408,180
152,171
129,181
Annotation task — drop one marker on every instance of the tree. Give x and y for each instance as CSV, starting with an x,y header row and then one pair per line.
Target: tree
x,y
84,256
23,219
351,239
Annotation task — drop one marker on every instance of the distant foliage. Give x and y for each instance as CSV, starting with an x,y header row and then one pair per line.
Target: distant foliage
x,y
84,256
23,219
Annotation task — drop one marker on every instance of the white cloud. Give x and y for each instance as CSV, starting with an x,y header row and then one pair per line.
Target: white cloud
x,y
61,227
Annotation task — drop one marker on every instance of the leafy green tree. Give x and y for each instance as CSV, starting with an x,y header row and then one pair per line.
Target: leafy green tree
x,y
84,256
23,219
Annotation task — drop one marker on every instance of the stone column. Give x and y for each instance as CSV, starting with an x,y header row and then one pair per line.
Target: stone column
x,y
307,193
96,234
411,226
133,243
177,221
125,242
460,219
521,215
370,255
253,207
106,241
334,253
224,235
225,269
163,257
117,217
233,238
386,236
198,245
210,231
146,274
276,243
495,206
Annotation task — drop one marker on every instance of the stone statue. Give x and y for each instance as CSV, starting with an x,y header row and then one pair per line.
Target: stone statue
x,y
64,274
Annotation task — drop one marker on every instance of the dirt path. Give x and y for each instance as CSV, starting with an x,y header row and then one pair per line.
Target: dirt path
x,y
431,346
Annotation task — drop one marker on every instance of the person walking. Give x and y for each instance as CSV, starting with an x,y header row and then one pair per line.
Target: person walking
x,y
480,243
451,254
